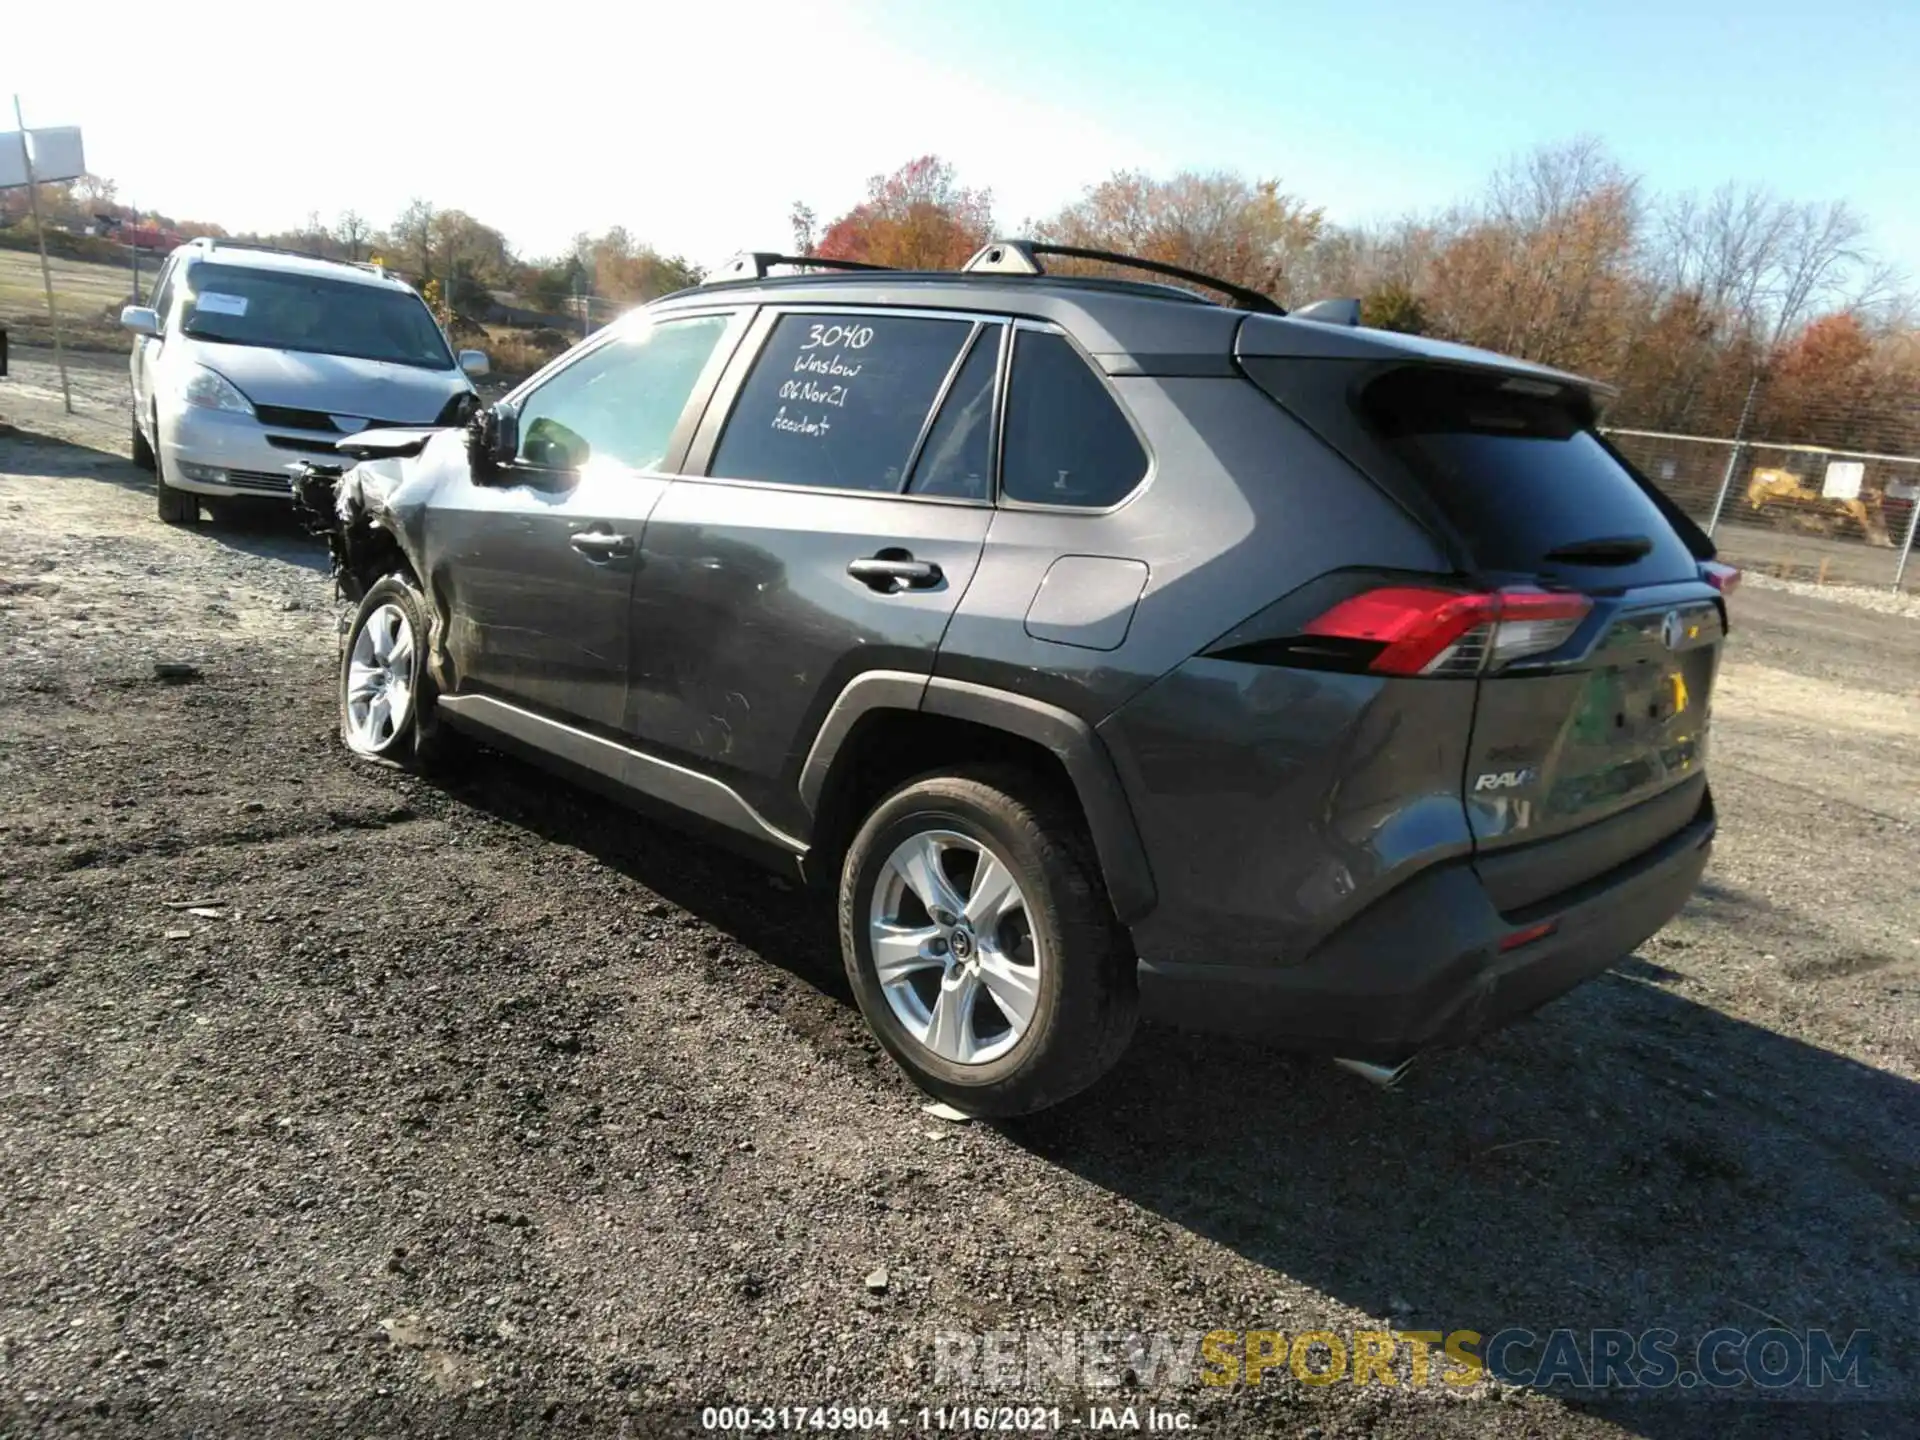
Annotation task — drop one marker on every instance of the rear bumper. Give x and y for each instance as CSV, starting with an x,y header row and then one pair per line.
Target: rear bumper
x,y
1424,968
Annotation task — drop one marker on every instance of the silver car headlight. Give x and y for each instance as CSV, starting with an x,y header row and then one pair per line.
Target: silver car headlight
x,y
211,390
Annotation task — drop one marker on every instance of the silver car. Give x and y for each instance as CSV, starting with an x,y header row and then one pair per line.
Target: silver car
x,y
250,359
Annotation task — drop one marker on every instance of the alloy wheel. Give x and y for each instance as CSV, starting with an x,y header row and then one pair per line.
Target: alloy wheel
x,y
380,680
954,947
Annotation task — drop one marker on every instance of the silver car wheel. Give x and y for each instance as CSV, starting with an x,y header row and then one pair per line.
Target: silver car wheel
x,y
954,947
380,680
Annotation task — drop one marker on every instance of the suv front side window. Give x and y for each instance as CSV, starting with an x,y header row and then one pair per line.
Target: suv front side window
x,y
839,400
618,404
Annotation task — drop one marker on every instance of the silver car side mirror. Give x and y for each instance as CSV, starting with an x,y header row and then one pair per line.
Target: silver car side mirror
x,y
141,320
474,363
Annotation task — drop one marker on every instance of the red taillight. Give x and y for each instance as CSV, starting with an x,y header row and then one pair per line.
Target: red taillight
x,y
1425,631
1527,936
1724,578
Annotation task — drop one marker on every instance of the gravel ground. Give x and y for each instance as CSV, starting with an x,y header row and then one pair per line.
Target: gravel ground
x,y
481,1104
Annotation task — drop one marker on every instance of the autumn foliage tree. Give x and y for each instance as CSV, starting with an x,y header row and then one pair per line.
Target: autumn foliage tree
x,y
1817,380
1249,232
1394,306
1542,266
624,268
918,218
1686,305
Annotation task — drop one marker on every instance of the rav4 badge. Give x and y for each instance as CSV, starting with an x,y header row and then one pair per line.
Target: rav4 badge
x,y
1503,780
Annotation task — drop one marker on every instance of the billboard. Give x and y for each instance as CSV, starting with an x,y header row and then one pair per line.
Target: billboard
x,y
57,155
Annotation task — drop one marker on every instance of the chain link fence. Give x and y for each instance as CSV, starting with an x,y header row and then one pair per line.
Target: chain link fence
x,y
1805,512
1823,488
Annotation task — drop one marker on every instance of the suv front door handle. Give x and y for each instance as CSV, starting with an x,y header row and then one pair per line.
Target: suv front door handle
x,y
892,571
600,544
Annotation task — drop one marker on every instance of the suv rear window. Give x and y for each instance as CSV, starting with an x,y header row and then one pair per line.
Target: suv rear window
x,y
838,400
1522,476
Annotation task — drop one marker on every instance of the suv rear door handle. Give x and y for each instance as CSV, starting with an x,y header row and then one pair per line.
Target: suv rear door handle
x,y
894,570
600,544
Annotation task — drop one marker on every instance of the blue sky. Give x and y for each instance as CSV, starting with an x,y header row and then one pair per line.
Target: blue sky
x,y
1370,108
697,129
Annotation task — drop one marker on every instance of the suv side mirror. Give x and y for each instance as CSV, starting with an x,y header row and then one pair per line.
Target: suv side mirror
x,y
141,320
474,363
493,441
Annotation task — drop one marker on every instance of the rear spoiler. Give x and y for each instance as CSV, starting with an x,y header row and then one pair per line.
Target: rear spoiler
x,y
1330,312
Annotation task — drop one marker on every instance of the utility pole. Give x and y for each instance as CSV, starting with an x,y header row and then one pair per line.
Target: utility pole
x,y
46,267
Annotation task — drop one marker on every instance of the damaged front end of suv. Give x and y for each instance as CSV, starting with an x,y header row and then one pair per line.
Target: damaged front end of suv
x,y
395,634
368,508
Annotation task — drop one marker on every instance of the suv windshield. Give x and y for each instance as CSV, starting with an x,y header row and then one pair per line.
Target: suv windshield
x,y
285,310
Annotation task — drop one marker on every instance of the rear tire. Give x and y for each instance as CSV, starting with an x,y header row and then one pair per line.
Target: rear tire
x,y
386,695
142,451
175,507
1076,983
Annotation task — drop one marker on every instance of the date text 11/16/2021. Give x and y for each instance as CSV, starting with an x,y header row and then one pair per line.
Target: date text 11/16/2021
x,y
943,1419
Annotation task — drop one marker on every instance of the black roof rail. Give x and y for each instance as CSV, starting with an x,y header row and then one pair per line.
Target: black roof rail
x,y
1019,257
754,264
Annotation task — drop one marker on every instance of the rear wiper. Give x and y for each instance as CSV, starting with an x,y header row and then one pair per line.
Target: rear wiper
x,y
1603,550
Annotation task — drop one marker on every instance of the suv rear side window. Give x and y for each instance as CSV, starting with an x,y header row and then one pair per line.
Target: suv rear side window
x,y
957,459
1521,476
838,401
1067,441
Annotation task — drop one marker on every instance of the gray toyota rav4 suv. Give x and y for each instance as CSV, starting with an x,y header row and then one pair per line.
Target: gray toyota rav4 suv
x,y
1101,646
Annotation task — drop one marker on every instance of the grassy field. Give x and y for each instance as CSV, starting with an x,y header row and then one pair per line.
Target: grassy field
x,y
89,296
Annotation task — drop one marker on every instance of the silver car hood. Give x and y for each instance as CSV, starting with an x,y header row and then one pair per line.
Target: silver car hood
x,y
336,384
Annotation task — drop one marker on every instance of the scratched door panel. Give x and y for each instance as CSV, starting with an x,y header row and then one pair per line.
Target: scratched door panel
x,y
747,623
531,619
843,505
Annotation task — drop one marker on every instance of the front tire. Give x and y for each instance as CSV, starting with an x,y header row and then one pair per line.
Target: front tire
x,y
981,945
386,695
142,452
175,507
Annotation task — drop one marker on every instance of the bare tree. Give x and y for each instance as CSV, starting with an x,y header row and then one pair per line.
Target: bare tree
x,y
1765,265
413,237
1821,252
804,223
351,233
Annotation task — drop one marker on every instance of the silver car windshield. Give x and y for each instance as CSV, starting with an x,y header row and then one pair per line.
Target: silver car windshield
x,y
282,310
